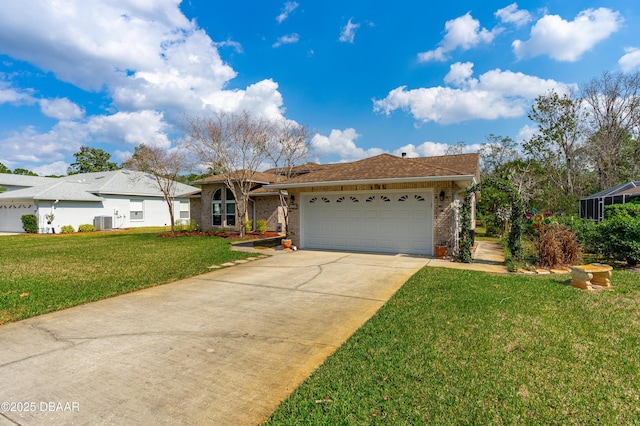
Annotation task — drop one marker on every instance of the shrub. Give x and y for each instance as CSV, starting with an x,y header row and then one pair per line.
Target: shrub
x,y
67,229
626,210
261,225
248,226
184,226
30,223
586,231
558,246
86,227
620,238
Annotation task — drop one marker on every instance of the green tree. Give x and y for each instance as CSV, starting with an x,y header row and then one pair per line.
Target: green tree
x,y
24,172
90,160
556,147
4,169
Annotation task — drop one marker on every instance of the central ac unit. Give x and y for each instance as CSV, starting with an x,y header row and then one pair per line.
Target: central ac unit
x,y
103,223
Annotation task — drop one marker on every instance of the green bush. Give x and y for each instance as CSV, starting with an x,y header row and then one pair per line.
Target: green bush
x,y
30,223
625,210
183,226
67,229
86,227
620,238
586,231
248,226
261,225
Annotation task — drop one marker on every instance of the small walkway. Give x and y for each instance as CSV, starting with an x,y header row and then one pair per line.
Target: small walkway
x,y
487,257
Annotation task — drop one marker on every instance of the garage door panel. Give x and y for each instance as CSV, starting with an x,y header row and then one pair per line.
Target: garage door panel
x,y
383,221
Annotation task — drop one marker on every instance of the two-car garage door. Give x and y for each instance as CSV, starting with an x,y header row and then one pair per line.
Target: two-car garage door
x,y
382,221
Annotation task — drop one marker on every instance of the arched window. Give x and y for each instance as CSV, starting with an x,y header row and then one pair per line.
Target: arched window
x,y
230,208
216,208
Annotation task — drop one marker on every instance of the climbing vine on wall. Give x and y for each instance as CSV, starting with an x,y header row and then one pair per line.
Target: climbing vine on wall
x,y
514,239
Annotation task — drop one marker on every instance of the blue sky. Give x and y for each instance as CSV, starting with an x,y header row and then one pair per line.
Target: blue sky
x,y
366,77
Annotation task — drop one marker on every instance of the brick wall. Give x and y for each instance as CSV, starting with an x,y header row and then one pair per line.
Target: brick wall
x,y
268,208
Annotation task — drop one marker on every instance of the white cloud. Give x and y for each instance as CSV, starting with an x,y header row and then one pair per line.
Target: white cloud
x,y
154,64
341,143
57,168
30,146
459,73
134,128
287,39
496,94
230,43
289,7
145,55
526,133
511,15
630,60
348,32
429,149
568,40
15,96
464,33
61,109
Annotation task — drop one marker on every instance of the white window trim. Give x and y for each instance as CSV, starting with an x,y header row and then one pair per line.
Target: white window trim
x,y
132,204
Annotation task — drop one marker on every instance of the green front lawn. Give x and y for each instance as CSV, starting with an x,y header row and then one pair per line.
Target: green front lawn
x,y
44,273
464,347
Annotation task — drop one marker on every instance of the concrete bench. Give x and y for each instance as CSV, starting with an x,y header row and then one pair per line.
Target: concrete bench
x,y
583,276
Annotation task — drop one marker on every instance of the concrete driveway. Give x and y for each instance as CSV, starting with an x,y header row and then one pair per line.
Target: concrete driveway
x,y
221,348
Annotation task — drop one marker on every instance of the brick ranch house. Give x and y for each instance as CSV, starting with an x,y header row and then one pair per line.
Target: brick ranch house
x,y
380,204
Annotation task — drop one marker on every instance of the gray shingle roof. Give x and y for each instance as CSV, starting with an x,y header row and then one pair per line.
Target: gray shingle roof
x,y
90,186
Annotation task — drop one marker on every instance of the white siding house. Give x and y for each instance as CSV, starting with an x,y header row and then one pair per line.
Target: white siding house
x,y
110,200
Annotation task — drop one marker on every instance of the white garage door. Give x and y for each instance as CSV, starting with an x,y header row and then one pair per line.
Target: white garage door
x,y
11,214
383,221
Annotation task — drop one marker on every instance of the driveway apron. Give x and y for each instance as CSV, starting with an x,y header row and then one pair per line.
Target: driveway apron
x,y
220,348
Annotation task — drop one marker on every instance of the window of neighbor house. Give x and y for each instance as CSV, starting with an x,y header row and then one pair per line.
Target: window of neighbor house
x,y
136,209
184,210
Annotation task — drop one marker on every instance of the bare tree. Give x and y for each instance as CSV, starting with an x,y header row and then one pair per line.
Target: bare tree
x,y
613,102
288,147
233,143
164,166
497,152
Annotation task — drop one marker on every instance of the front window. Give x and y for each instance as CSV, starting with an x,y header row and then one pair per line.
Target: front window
x,y
217,208
230,207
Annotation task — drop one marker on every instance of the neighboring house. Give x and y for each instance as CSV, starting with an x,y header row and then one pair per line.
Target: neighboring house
x,y
592,207
108,200
382,204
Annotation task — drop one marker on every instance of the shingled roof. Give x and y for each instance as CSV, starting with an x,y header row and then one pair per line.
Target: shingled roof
x,y
257,177
389,167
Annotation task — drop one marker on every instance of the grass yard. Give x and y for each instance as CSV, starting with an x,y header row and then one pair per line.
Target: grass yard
x,y
44,273
464,347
